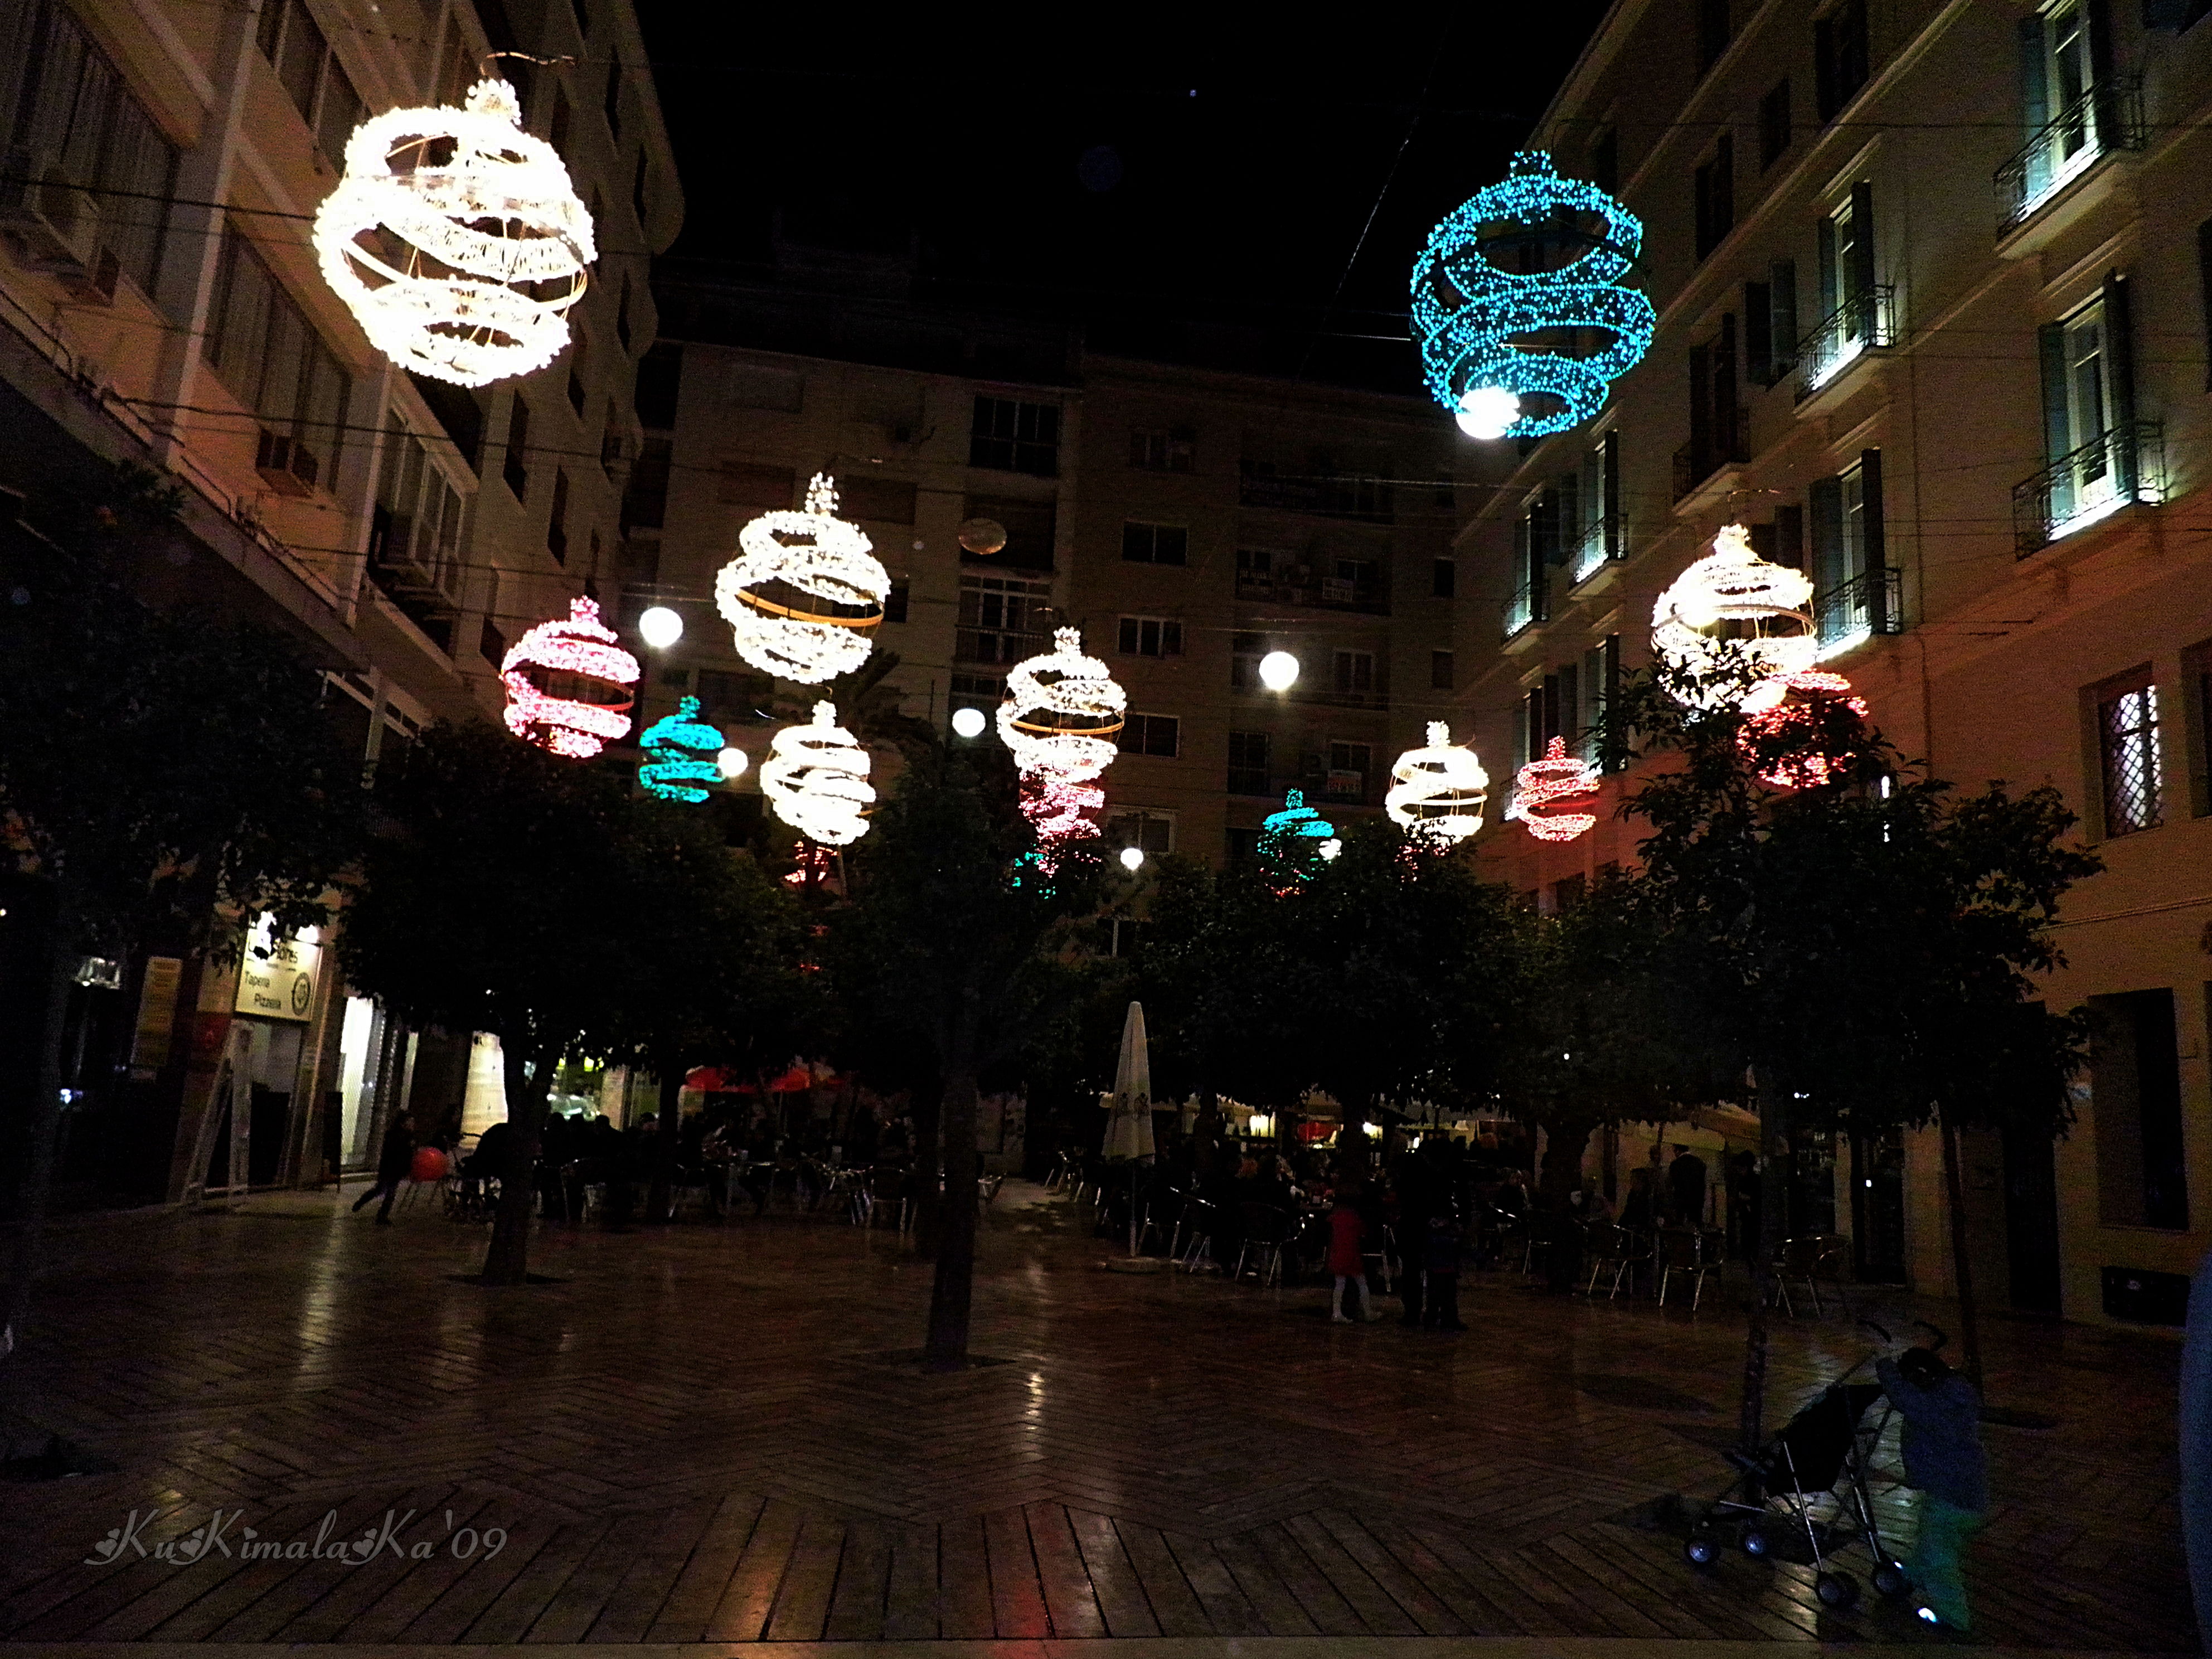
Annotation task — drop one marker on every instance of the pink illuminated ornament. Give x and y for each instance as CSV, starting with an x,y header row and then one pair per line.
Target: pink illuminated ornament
x,y
1559,777
569,684
1789,738
1058,811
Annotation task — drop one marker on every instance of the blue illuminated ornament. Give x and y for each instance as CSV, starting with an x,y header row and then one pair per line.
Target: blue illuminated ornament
x,y
1474,316
1284,834
681,753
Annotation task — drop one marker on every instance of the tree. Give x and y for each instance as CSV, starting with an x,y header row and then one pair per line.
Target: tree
x,y
166,774
953,935
503,891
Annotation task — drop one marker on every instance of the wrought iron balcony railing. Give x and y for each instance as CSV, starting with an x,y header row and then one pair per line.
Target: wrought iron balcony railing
x,y
1868,604
2101,121
1695,463
1601,543
1864,322
1530,604
2115,468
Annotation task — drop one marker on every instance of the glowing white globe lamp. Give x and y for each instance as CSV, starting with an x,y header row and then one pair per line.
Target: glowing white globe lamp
x,y
1488,411
732,763
968,722
1278,671
1329,849
661,627
1133,857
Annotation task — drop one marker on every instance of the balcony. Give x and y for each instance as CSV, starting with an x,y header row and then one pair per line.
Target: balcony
x,y
2116,469
1865,322
2100,121
1530,604
1591,554
1315,592
996,648
1870,603
1369,499
1695,463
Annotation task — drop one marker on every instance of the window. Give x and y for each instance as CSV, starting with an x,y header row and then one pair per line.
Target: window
x,y
2127,738
1355,673
1153,832
1440,671
1248,763
1151,636
556,524
1531,599
1596,687
68,110
576,393
1349,764
1245,651
1597,540
1255,567
1855,309
621,314
515,469
895,601
2099,458
1150,734
2135,1079
1238,845
1712,32
1774,124
1781,541
1015,437
1853,595
1155,543
1443,579
415,528
2064,103
1715,431
317,85
1159,449
1839,57
1001,620
491,644
1032,530
737,696
645,496
741,483
1715,183
269,355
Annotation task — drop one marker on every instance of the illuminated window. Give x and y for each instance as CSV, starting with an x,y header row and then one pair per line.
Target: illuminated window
x,y
2127,734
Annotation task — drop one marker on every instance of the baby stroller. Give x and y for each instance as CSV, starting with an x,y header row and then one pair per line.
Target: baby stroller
x,y
1821,1454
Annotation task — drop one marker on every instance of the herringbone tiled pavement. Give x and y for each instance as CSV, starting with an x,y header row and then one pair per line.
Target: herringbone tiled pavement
x,y
709,1433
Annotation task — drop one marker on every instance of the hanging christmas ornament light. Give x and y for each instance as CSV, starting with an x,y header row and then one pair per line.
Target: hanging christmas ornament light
x,y
569,684
1438,792
804,591
456,239
681,755
1297,829
1792,738
1060,813
1491,322
816,777
1061,711
1542,784
1733,610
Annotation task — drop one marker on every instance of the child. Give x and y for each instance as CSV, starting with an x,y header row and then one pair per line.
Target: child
x,y
1942,1446
1345,1229
1440,1308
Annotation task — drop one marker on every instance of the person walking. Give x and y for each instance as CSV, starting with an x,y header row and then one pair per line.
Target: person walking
x,y
394,1159
1942,1447
1347,1229
1440,1308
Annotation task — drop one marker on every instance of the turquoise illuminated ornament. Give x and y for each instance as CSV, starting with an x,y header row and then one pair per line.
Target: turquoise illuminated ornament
x,y
1491,336
681,755
1282,834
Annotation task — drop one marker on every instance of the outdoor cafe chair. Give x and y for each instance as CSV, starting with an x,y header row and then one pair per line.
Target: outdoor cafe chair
x,y
1267,1230
1683,1250
1618,1247
1810,1259
1200,1218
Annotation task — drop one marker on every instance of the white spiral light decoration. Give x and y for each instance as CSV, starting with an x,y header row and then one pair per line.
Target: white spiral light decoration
x,y
403,240
816,777
1733,602
832,590
1061,711
1439,791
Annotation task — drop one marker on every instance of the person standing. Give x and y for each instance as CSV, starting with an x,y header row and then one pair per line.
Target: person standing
x,y
1942,1447
1346,1229
1440,1308
394,1160
1685,1187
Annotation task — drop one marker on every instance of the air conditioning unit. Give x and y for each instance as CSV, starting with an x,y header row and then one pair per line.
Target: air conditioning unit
x,y
57,224
286,464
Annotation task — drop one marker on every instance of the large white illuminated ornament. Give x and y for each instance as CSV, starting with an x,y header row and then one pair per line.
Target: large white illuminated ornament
x,y
456,239
1734,603
1061,711
804,591
816,777
1438,792
1541,784
569,684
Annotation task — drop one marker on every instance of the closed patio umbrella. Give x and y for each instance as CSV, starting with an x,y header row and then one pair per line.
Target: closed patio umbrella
x,y
1129,1130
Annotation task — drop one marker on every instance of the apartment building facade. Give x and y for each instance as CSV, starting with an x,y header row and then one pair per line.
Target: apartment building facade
x,y
160,164
1187,521
1933,283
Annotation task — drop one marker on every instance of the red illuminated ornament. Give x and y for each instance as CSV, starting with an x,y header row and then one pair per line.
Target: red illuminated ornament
x,y
1559,777
1056,809
1787,736
569,684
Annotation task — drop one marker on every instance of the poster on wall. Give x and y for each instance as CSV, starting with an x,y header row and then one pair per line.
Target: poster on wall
x,y
276,977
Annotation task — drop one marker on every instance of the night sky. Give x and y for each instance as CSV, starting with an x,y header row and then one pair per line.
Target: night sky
x,y
1127,176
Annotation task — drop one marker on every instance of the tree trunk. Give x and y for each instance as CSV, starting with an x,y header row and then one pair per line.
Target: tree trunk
x,y
1773,1214
663,1189
529,1080
928,1163
1962,1269
952,1295
1564,1147
35,1195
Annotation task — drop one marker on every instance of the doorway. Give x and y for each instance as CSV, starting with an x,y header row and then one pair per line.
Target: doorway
x,y
2031,1178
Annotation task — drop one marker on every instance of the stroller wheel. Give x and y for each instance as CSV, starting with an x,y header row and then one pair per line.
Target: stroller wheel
x,y
1754,1542
1701,1549
1890,1580
1836,1590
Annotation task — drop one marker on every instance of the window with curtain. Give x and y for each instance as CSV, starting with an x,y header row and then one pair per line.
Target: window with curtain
x,y
264,348
2127,736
